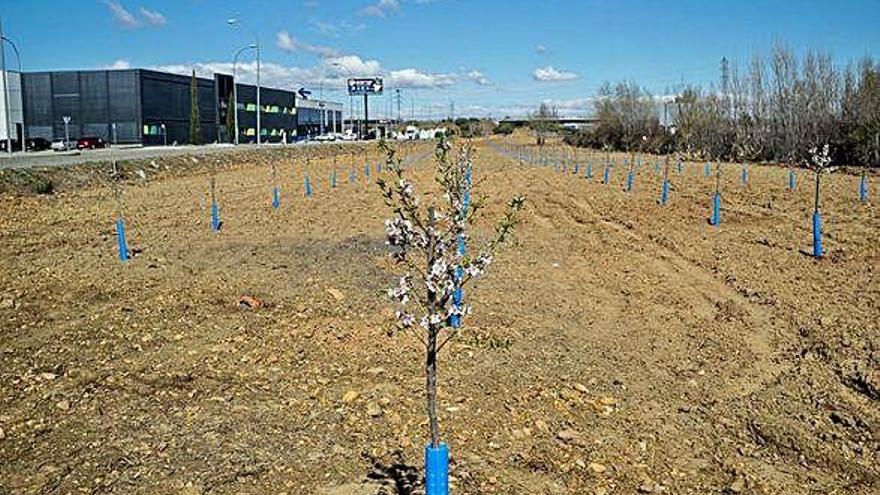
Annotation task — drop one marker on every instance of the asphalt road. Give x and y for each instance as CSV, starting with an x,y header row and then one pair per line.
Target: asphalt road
x,y
63,159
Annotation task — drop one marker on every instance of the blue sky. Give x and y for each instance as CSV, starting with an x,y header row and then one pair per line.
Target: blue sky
x,y
491,57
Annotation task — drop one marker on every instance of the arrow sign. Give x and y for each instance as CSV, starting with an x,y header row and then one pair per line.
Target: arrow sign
x,y
304,93
365,86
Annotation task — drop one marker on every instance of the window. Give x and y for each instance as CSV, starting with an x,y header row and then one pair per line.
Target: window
x,y
250,107
151,130
250,131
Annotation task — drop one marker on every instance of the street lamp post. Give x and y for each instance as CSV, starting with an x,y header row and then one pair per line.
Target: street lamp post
x,y
164,135
66,120
18,59
235,94
235,22
6,109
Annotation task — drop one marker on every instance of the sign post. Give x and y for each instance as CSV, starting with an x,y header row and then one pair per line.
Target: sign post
x,y
365,86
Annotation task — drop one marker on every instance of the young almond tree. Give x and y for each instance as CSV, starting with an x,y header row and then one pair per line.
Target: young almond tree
x,y
426,241
820,159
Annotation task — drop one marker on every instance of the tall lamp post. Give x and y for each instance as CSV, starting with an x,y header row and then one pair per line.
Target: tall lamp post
x,y
6,108
235,93
17,59
66,120
236,23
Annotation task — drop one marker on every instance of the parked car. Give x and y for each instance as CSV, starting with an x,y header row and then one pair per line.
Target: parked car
x,y
15,145
61,145
325,138
38,144
90,143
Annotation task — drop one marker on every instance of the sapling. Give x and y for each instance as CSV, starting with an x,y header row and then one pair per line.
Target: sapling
x,y
121,241
630,174
424,238
275,192
716,197
820,159
215,209
664,186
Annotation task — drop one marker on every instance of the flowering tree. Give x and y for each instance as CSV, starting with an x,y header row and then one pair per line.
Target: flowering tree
x,y
427,241
820,159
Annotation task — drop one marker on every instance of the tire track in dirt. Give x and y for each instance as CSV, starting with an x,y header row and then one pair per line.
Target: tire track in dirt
x,y
759,331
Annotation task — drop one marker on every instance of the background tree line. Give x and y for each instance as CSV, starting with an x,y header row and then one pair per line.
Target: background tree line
x,y
774,109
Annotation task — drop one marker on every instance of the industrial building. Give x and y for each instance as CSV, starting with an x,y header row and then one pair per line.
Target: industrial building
x,y
154,108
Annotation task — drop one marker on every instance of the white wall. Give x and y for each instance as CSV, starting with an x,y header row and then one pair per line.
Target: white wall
x,y
17,114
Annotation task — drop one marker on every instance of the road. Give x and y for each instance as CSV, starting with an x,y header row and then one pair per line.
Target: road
x,y
64,159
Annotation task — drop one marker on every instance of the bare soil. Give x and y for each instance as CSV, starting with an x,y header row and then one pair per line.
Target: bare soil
x,y
617,346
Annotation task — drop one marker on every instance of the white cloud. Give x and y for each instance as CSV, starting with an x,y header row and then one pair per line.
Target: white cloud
x,y
540,49
549,74
336,29
479,78
351,66
122,16
414,78
153,17
118,64
382,8
332,72
285,42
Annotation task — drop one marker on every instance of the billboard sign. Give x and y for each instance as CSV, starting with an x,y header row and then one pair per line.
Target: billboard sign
x,y
365,86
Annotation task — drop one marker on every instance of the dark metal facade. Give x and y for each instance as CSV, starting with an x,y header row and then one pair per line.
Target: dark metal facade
x,y
153,108
92,99
167,99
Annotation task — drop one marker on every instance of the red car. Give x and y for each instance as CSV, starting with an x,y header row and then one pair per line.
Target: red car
x,y
89,143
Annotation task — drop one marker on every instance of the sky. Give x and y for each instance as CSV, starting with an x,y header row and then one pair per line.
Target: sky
x,y
488,58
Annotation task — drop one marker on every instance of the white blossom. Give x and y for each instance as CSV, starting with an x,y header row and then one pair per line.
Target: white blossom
x,y
405,320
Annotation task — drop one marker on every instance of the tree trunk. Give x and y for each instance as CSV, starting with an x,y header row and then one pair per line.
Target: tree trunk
x,y
431,351
431,386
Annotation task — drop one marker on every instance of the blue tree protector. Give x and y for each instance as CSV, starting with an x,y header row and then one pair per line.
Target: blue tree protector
x,y
308,187
791,180
706,170
351,175
817,234
367,171
576,169
679,167
664,192
215,216
275,198
863,189
657,167
716,210
564,167
589,173
120,240
333,179
379,168
606,178
437,470
745,175
629,181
